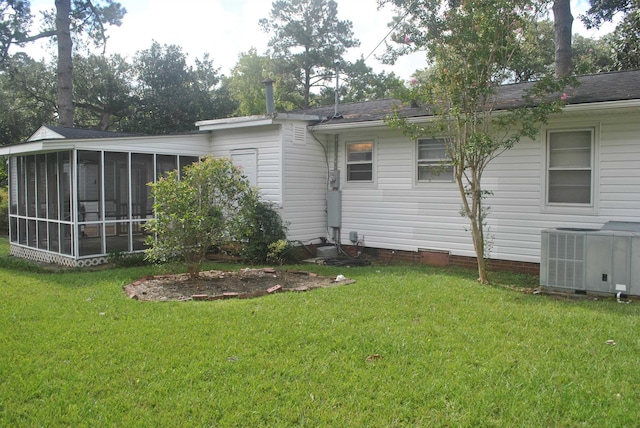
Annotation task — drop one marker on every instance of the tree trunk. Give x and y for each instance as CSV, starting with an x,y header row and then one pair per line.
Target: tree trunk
x,y
478,245
65,65
562,22
477,229
105,121
473,211
307,87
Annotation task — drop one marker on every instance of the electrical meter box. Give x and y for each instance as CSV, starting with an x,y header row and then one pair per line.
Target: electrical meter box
x,y
334,208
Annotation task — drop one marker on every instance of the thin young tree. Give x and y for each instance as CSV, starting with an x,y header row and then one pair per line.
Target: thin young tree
x,y
472,45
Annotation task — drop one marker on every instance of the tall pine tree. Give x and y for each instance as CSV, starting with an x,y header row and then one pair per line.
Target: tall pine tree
x,y
307,39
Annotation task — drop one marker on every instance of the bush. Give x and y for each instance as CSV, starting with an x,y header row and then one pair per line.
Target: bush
x,y
206,207
278,251
4,212
265,229
125,259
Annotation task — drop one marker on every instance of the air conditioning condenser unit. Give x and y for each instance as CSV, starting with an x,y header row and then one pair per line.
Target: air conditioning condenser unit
x,y
605,260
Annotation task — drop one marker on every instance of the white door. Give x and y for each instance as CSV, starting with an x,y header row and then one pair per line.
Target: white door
x,y
248,161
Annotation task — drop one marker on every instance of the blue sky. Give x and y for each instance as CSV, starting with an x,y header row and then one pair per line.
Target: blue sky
x,y
227,28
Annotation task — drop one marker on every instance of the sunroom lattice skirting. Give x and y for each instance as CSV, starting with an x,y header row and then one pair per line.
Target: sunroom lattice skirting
x,y
59,259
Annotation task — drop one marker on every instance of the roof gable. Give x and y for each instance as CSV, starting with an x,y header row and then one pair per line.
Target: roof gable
x,y
45,133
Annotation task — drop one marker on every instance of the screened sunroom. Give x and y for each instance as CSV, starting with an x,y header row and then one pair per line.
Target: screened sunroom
x,y
77,203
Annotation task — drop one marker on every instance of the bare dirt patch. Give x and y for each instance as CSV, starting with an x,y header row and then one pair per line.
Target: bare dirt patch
x,y
215,285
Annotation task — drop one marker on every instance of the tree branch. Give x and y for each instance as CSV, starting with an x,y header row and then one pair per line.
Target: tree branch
x,y
43,35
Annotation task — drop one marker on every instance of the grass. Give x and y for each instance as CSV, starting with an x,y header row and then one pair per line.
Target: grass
x,y
75,351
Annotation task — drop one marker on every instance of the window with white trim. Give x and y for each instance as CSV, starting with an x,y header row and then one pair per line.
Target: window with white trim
x,y
360,161
569,167
434,163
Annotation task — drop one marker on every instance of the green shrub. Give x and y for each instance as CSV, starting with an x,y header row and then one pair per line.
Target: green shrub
x,y
4,211
125,259
265,228
206,207
278,251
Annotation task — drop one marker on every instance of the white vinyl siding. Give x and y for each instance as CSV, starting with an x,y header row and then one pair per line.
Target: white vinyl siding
x,y
433,162
398,212
290,171
569,166
305,184
266,142
392,213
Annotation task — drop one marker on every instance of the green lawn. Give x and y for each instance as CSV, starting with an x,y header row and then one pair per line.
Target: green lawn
x,y
75,351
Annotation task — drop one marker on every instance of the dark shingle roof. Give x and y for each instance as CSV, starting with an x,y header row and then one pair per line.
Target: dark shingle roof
x,y
79,133
615,86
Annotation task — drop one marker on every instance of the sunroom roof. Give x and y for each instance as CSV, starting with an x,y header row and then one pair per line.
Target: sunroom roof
x,y
50,132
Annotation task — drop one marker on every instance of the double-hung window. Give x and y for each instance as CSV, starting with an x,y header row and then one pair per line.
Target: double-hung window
x,y
433,162
570,166
360,161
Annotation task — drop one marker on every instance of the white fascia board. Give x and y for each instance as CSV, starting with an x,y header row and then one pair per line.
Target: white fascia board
x,y
331,128
602,106
298,117
233,122
43,146
36,147
252,121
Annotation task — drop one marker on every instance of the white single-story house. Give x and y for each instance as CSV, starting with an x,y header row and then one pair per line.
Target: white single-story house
x,y
77,195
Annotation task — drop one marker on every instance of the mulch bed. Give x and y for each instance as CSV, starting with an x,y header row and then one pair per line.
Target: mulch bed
x,y
217,285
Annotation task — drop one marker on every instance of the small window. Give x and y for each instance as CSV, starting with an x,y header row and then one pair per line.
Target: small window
x,y
360,161
569,155
433,162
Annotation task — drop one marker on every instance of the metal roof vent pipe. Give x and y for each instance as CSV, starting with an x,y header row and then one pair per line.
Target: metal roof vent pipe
x,y
337,115
268,84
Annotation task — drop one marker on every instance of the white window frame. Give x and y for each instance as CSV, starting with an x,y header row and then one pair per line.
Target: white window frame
x,y
444,164
349,162
570,207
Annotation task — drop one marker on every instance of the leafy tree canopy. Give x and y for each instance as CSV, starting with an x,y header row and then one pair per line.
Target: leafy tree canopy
x,y
82,20
102,91
172,95
87,21
307,39
626,42
15,20
27,93
246,87
358,82
474,46
601,11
